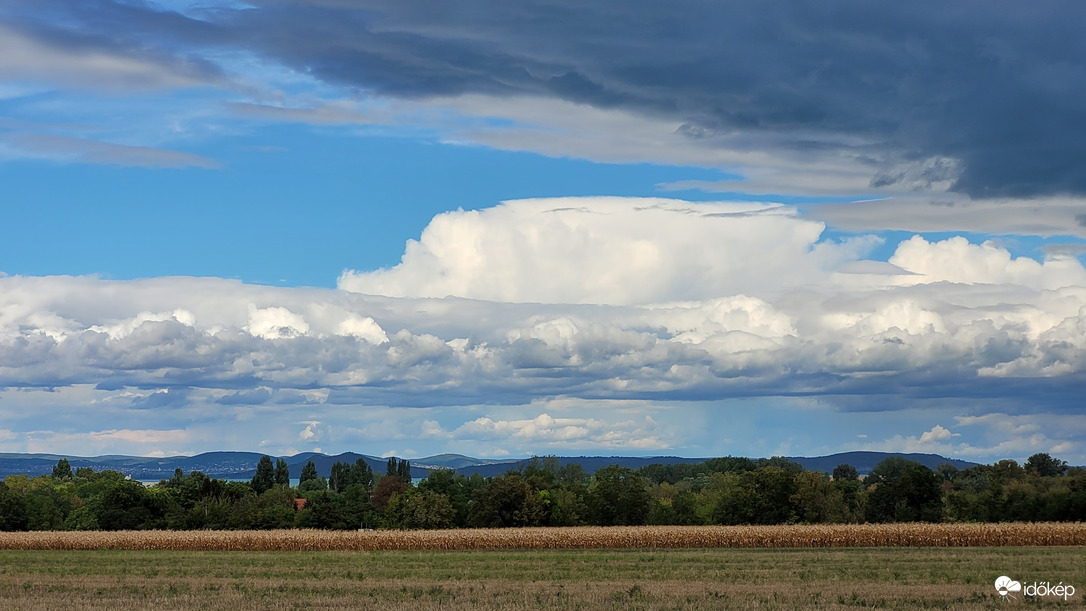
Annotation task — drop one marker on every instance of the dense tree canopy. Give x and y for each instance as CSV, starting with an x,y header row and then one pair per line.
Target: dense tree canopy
x,y
546,493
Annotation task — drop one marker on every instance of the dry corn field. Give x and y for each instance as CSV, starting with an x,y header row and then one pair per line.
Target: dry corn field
x,y
591,537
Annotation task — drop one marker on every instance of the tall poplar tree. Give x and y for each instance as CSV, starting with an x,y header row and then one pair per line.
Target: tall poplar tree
x,y
282,473
265,475
309,472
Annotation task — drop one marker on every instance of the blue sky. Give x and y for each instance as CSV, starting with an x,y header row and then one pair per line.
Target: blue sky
x,y
542,228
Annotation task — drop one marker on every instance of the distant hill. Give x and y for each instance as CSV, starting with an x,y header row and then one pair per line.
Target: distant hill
x,y
242,465
866,461
589,463
863,461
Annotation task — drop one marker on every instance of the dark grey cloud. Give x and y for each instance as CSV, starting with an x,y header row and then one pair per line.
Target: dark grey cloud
x,y
176,44
994,85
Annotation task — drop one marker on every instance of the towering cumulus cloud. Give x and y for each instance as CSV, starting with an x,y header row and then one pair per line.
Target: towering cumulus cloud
x,y
609,251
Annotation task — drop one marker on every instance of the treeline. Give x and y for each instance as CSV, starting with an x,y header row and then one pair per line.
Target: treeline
x,y
544,493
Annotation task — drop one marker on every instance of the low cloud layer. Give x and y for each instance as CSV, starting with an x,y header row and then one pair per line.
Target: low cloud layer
x,y
944,321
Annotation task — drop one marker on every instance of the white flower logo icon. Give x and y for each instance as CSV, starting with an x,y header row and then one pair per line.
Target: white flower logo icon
x,y
1005,585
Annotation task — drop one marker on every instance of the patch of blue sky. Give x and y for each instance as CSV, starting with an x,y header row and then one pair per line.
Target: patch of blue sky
x,y
1033,247
291,205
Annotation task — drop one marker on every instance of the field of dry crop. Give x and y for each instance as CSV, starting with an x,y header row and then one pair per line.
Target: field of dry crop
x,y
813,536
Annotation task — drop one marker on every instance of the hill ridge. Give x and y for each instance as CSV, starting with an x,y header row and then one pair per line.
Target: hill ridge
x,y
242,465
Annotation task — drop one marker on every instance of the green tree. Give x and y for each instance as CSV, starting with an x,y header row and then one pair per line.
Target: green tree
x,y
398,468
324,509
1005,472
264,478
850,489
282,472
309,481
762,496
62,470
272,509
817,500
1044,465
177,480
453,487
947,472
47,506
361,473
12,511
845,473
358,506
573,474
339,477
122,506
419,509
506,501
902,490
387,486
780,462
566,505
619,496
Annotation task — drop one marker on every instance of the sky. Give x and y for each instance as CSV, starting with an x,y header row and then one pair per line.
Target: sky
x,y
511,229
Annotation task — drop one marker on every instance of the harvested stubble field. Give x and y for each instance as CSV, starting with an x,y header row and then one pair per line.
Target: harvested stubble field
x,y
953,567
587,537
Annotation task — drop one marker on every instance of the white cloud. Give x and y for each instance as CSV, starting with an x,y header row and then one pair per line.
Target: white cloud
x,y
312,433
994,436
607,251
1019,436
206,348
94,442
275,323
937,440
125,328
546,431
937,434
362,327
956,260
